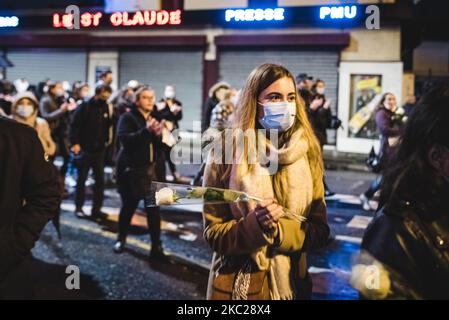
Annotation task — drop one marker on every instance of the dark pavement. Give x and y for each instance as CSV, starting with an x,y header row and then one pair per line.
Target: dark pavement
x,y
130,275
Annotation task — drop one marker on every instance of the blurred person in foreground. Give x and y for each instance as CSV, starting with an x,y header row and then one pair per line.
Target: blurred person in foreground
x,y
29,198
406,246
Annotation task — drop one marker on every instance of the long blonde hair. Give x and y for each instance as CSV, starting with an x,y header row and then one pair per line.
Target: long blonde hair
x,y
246,119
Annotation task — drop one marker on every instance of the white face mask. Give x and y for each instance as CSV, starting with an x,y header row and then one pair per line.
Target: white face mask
x,y
169,94
278,115
25,111
320,90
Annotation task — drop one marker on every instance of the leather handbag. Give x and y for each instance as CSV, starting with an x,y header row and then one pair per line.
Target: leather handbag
x,y
224,282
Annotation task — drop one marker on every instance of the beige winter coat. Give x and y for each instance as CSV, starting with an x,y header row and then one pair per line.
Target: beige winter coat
x,y
233,232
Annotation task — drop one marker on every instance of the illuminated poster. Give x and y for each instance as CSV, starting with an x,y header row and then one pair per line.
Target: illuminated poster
x,y
366,91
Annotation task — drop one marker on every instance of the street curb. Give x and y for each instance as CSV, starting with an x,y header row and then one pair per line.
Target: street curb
x,y
189,262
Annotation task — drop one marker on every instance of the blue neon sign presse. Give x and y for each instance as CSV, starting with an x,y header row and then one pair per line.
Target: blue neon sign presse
x,y
12,21
338,12
248,15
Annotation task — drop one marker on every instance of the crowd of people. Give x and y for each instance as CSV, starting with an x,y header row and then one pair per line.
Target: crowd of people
x,y
88,132
259,252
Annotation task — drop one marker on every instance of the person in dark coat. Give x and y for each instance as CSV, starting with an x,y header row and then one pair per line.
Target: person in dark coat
x,y
6,98
54,108
170,110
320,116
217,93
410,103
90,134
408,240
389,123
304,84
140,137
29,198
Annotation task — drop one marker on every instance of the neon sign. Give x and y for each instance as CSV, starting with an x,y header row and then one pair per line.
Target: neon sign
x,y
146,18
339,12
86,20
12,22
237,15
116,19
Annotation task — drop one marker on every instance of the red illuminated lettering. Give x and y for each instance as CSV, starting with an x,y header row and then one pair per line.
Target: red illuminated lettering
x,y
175,17
116,19
162,17
139,18
96,18
150,17
62,21
86,20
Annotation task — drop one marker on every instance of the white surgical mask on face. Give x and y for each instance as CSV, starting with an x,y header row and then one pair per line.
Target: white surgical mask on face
x,y
169,94
278,115
320,90
25,111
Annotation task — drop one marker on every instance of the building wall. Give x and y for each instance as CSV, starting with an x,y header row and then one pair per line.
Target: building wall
x,y
373,45
431,57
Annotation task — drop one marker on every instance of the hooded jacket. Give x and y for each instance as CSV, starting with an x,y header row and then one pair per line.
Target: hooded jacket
x,y
39,124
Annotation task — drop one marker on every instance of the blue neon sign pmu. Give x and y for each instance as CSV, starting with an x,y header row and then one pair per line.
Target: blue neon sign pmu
x,y
239,15
338,12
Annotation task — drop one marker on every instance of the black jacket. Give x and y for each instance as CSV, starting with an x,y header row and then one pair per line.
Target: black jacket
x,y
139,147
29,193
166,114
209,105
387,128
415,251
91,124
321,121
57,119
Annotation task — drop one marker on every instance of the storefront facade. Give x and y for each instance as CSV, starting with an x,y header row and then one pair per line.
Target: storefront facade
x,y
195,48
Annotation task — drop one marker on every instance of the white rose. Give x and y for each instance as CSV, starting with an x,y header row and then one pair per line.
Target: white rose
x,y
165,196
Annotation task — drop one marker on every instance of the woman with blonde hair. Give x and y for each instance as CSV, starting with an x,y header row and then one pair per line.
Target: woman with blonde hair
x,y
260,247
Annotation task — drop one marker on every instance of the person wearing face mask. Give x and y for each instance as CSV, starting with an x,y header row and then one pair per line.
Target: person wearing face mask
x,y
259,252
90,134
24,110
170,110
304,84
409,236
389,121
55,110
217,93
320,116
123,101
81,91
140,136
